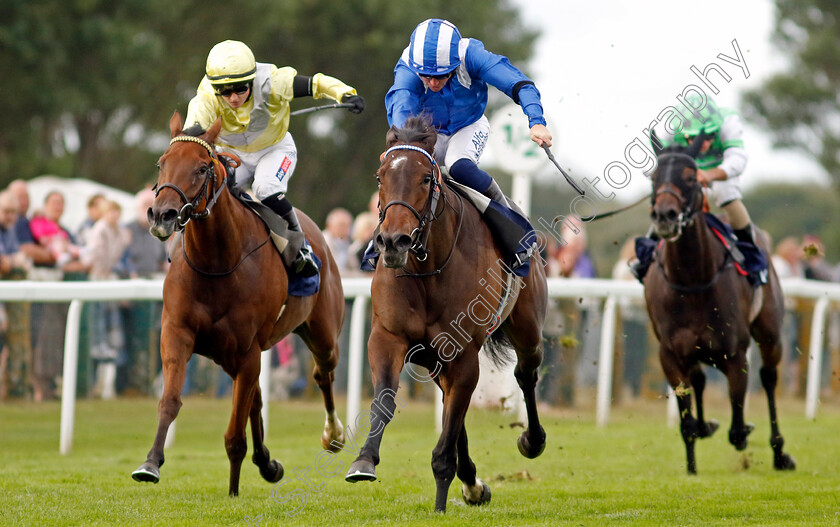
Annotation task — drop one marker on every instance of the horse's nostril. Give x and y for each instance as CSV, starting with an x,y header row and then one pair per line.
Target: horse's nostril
x,y
403,242
169,215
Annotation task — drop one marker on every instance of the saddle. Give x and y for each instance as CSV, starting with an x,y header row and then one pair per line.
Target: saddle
x,y
287,242
749,261
510,227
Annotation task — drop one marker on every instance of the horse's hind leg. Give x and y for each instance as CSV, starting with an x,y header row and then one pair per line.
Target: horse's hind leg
x,y
781,460
244,386
474,491
736,373
324,346
174,371
698,384
532,441
271,470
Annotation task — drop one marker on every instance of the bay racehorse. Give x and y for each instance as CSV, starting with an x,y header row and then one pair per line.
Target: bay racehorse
x,y
226,297
437,291
703,310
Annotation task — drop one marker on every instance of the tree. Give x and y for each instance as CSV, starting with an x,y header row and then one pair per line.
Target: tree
x,y
91,84
800,106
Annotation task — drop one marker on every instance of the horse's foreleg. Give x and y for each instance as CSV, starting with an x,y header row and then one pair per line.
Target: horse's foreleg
x,y
532,441
386,354
458,386
474,491
271,470
688,424
174,371
244,386
698,384
781,460
736,373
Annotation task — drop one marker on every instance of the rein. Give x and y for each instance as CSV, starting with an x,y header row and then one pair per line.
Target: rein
x,y
420,233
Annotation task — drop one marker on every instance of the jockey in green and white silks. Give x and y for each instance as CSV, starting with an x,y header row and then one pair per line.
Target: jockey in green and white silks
x,y
720,163
252,99
444,76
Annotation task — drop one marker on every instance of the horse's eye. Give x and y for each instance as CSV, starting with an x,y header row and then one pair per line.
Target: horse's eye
x,y
378,181
203,170
427,179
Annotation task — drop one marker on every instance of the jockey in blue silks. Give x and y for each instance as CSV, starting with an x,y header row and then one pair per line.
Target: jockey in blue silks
x,y
444,76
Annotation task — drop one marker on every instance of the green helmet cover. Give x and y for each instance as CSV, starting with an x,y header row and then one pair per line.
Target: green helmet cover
x,y
708,119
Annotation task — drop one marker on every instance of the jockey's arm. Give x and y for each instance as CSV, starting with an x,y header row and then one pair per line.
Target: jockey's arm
x,y
497,71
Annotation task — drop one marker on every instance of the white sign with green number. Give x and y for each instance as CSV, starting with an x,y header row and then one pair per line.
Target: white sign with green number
x,y
510,138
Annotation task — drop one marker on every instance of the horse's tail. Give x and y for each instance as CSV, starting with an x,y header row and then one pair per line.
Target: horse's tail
x,y
499,349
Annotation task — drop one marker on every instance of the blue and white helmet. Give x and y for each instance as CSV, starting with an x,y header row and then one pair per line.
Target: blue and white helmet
x,y
434,48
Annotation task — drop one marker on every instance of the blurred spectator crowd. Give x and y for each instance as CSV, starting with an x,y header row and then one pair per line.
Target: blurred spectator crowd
x,y
119,346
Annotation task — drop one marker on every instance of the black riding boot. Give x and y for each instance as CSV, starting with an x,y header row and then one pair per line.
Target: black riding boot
x,y
755,262
304,264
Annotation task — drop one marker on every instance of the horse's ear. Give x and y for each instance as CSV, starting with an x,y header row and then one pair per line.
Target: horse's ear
x,y
391,138
697,144
176,124
213,132
656,143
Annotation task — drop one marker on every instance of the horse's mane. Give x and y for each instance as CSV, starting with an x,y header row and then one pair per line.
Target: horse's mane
x,y
416,129
195,130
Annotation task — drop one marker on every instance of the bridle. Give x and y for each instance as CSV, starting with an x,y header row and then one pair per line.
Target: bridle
x,y
206,191
187,212
689,209
419,235
688,203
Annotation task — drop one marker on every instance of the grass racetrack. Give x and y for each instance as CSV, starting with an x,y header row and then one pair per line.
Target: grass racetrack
x,y
629,473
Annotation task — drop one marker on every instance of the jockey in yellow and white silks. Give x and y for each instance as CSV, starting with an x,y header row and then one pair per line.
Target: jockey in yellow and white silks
x,y
252,98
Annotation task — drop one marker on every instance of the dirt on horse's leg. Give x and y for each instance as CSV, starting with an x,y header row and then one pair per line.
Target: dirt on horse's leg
x,y
458,386
531,442
386,353
698,385
270,470
473,490
174,372
244,386
781,460
736,373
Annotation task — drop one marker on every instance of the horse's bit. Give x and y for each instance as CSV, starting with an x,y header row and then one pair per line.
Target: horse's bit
x,y
186,213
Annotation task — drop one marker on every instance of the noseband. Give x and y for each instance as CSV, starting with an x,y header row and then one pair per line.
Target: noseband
x,y
428,215
187,211
688,208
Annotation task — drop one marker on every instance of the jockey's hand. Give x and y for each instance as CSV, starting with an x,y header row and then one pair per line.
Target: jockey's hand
x,y
703,177
706,177
540,135
356,100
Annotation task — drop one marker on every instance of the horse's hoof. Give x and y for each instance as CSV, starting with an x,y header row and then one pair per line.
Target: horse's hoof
x,y
478,494
146,473
784,462
740,441
272,471
531,450
332,444
711,427
361,470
